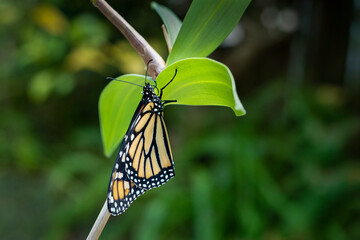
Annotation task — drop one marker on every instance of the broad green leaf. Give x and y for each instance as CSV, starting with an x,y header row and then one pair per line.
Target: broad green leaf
x,y
171,21
200,81
117,104
206,25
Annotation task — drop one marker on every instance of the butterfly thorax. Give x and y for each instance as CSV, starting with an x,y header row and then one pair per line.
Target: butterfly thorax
x,y
150,96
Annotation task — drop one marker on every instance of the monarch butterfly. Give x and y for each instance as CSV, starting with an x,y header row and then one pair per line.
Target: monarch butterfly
x,y
144,160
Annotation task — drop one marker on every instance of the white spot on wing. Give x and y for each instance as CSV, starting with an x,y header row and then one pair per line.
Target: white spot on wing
x,y
119,175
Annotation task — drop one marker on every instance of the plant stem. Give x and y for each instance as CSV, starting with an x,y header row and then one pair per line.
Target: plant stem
x,y
167,39
99,223
136,40
147,53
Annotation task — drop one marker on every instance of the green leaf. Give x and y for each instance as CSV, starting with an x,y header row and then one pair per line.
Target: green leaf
x,y
200,81
171,21
117,104
206,25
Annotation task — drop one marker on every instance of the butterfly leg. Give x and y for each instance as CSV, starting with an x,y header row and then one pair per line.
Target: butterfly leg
x,y
168,101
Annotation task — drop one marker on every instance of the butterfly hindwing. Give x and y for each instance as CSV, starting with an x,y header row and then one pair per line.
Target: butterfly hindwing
x,y
122,192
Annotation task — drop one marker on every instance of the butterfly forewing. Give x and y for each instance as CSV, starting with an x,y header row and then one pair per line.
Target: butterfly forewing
x,y
149,163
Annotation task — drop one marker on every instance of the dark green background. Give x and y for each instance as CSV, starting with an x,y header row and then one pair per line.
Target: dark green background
x,y
289,169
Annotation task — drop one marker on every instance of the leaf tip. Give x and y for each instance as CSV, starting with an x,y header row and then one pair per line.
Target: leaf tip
x,y
154,4
107,153
239,110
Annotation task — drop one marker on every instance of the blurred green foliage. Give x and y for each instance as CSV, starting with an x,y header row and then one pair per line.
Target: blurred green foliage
x,y
289,169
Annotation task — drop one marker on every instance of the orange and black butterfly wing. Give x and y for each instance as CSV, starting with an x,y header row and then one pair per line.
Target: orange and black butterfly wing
x,y
122,192
149,162
145,160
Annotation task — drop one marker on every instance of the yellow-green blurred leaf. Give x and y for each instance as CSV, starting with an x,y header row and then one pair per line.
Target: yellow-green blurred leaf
x,y
85,57
126,58
40,86
50,18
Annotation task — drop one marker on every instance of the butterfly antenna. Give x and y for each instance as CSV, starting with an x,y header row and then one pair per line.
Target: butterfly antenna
x,y
161,90
147,67
110,78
